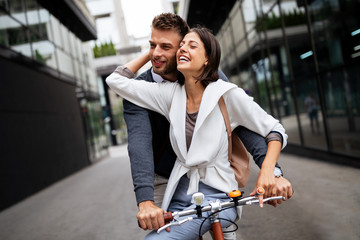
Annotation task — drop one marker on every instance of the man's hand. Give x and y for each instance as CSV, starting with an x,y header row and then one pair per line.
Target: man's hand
x,y
282,188
150,216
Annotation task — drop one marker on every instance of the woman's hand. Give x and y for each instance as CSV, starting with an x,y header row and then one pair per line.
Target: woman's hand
x,y
265,180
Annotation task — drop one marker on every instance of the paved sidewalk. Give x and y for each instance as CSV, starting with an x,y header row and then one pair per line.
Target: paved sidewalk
x,y
98,203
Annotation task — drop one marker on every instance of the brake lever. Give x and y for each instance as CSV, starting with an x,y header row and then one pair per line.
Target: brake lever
x,y
175,223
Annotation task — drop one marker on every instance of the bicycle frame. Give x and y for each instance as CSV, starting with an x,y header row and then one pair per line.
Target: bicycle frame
x,y
172,218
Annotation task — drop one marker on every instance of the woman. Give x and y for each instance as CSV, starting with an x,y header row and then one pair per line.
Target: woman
x,y
197,128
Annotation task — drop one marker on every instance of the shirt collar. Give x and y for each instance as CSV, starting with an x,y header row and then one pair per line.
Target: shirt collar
x,y
157,78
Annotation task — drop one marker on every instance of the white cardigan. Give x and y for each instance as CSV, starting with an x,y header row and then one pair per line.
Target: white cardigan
x,y
206,160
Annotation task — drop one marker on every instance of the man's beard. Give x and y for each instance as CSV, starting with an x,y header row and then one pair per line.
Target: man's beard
x,y
171,68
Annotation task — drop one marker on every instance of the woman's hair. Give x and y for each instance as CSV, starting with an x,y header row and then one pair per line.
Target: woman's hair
x,y
213,53
171,21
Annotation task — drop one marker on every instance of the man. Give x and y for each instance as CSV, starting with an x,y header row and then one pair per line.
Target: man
x,y
149,147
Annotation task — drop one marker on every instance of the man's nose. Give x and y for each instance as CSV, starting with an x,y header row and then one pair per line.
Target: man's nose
x,y
157,51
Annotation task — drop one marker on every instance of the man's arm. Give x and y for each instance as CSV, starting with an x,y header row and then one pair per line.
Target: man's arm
x,y
140,150
254,143
142,163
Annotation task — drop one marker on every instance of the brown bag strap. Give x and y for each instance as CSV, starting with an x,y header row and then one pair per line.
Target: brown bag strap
x,y
225,114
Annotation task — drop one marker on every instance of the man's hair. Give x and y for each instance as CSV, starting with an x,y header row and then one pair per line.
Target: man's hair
x,y
171,21
213,53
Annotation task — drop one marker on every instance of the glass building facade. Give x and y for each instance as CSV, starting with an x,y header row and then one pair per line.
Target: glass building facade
x,y
51,117
300,60
28,29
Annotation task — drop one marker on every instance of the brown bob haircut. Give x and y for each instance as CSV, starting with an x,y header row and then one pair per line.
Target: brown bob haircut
x,y
171,21
213,53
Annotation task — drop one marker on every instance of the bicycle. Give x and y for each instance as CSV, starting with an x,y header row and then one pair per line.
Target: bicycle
x,y
172,218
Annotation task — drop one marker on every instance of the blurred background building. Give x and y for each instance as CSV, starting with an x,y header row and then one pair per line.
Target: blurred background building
x,y
299,59
51,122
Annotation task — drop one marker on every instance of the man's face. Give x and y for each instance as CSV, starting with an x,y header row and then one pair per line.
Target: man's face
x,y
163,47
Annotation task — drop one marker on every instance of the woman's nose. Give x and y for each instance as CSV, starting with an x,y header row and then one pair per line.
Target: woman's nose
x,y
182,48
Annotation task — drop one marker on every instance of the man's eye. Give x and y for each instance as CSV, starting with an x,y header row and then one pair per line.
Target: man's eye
x,y
152,45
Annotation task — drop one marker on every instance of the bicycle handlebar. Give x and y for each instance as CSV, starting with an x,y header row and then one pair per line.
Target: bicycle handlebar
x,y
217,207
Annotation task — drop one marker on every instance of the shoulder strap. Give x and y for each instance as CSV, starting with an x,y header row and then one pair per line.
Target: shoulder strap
x,y
225,114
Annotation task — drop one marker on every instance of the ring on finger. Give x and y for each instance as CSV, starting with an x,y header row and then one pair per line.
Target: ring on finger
x,y
260,191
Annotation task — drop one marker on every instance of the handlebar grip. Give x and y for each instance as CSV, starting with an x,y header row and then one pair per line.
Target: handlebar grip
x,y
168,217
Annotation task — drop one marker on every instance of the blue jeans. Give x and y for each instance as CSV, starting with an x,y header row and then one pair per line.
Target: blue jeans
x,y
182,201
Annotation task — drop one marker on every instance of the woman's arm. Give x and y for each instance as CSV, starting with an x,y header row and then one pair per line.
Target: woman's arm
x,y
244,111
153,96
266,177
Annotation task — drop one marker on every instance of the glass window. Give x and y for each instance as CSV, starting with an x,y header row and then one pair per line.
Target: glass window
x,y
45,53
246,80
342,104
4,38
72,40
289,120
267,5
92,80
17,10
78,50
249,13
82,81
32,13
56,32
310,114
18,40
65,62
97,134
260,68
65,38
326,28
3,5
238,30
298,39
77,70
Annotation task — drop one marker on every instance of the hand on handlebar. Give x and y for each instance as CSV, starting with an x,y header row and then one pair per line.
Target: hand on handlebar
x,y
266,181
150,216
283,188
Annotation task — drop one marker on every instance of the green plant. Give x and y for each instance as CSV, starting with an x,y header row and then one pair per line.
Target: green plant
x,y
272,21
105,49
